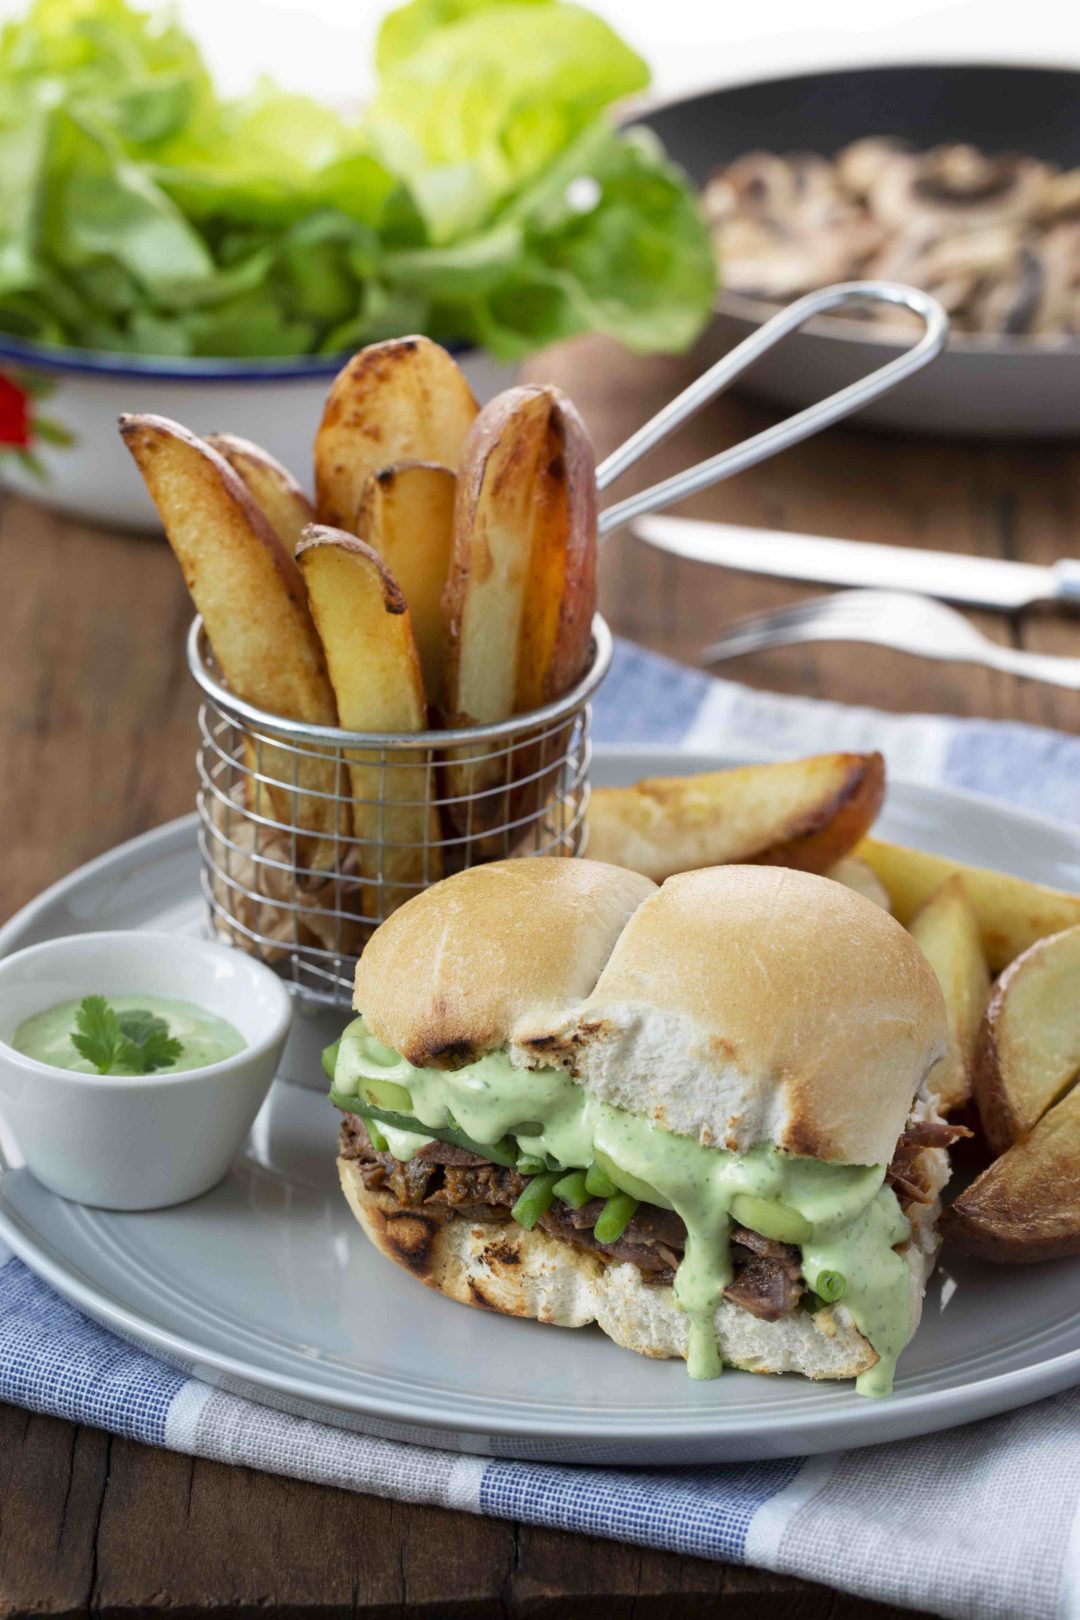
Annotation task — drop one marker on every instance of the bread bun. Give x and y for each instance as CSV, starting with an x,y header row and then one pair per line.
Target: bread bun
x,y
746,1004
504,1268
449,975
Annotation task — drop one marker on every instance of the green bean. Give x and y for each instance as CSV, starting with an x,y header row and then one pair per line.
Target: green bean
x,y
599,1184
535,1199
378,1140
501,1152
830,1286
528,1165
572,1189
615,1217
329,1060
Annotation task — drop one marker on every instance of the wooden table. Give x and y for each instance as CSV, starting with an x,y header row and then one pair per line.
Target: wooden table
x,y
97,726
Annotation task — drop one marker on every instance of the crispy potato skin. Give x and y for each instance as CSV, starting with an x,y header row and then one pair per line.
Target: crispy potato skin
x,y
805,814
1026,1205
403,400
406,515
1028,1047
521,589
252,599
272,487
1012,912
947,931
364,623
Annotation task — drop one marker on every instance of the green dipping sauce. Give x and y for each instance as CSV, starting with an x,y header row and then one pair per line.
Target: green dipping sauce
x,y
204,1037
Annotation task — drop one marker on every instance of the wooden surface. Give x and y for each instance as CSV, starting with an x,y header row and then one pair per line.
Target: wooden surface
x,y
97,730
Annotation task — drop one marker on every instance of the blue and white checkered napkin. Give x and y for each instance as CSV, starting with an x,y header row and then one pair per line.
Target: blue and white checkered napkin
x,y
981,1522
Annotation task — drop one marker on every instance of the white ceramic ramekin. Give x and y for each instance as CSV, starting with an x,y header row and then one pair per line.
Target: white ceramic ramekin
x,y
138,1141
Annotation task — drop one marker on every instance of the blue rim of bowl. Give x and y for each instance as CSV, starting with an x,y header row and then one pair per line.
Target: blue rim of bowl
x,y
128,368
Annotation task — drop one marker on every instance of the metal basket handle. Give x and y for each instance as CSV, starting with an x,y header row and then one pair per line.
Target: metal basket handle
x,y
794,428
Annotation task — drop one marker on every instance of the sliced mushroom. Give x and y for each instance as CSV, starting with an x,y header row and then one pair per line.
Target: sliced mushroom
x,y
995,237
1060,197
955,183
860,164
1010,303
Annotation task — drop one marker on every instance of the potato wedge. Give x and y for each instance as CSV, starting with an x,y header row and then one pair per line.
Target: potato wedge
x,y
521,591
404,400
947,931
406,514
1028,1050
855,874
805,813
365,627
272,487
254,605
1012,912
1026,1205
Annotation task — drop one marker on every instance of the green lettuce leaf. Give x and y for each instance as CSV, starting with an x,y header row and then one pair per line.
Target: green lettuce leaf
x,y
483,196
610,240
483,105
403,31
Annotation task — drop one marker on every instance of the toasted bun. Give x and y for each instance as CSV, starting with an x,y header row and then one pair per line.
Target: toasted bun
x,y
532,1274
747,1004
449,976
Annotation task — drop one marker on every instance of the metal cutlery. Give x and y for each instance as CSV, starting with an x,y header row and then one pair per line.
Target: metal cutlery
x,y
909,623
991,582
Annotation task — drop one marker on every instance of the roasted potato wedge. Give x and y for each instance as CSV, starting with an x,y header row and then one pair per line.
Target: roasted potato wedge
x,y
947,930
1012,912
521,593
404,400
406,514
855,874
1026,1205
253,602
272,487
805,813
521,590
1028,1050
367,633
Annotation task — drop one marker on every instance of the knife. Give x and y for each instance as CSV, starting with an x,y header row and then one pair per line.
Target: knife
x,y
989,582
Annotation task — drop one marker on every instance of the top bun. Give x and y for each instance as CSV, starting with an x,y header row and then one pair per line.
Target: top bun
x,y
450,974
737,1005
747,1004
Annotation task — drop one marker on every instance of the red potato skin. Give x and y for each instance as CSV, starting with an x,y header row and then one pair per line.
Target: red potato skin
x,y
1026,1205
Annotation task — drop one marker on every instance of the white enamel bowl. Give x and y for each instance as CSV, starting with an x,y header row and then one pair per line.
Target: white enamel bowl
x,y
122,1141
77,396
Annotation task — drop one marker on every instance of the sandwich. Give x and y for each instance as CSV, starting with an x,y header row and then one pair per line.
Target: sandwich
x,y
693,1114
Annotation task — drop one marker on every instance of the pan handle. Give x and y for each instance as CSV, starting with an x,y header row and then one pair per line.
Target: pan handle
x,y
793,428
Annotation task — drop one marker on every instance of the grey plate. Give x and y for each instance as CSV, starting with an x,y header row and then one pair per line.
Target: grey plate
x,y
982,387
267,1288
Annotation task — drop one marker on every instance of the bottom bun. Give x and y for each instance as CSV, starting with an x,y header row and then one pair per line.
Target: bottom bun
x,y
502,1267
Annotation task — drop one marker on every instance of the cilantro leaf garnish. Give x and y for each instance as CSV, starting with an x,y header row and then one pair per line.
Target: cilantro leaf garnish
x,y
136,1042
139,1024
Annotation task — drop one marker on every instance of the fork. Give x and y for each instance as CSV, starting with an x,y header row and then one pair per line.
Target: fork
x,y
910,623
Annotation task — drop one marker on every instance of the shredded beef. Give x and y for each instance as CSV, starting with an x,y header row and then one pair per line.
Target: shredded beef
x,y
656,1262
908,1174
767,1279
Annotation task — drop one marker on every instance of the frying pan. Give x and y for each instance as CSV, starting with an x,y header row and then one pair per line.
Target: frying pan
x,y
984,386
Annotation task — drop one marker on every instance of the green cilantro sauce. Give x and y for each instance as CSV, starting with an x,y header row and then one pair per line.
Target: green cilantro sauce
x,y
843,1217
204,1038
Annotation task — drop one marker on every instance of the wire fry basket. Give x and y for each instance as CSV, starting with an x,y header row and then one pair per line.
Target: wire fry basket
x,y
298,869
311,835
